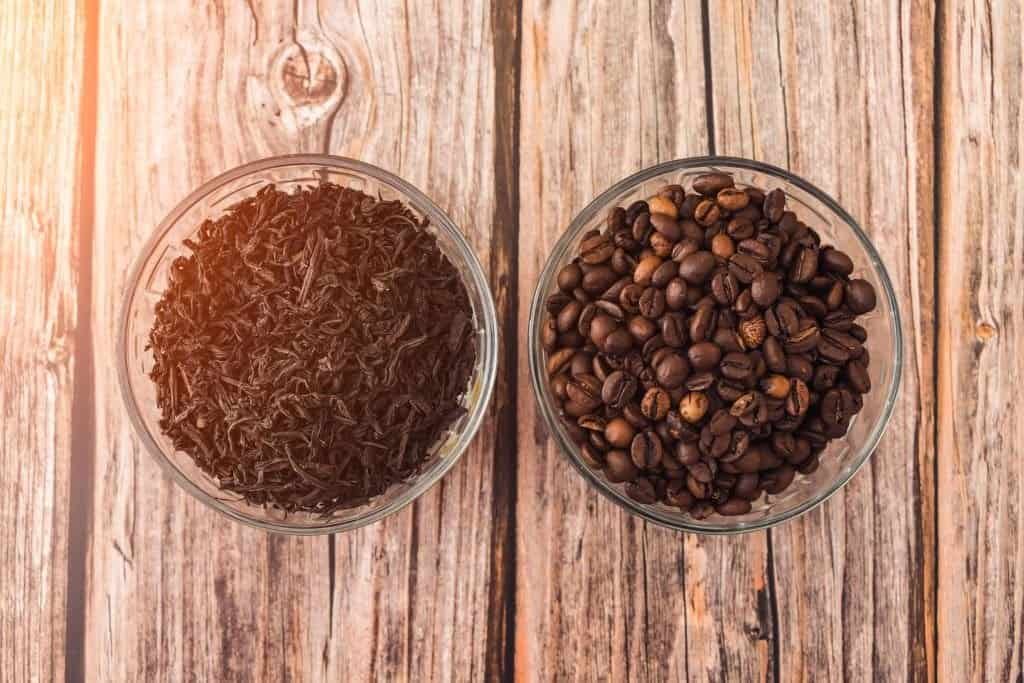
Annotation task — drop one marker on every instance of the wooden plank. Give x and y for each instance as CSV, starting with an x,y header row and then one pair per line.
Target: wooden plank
x,y
175,590
422,588
607,90
981,343
42,49
842,95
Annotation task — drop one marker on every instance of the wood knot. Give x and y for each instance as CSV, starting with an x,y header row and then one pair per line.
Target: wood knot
x,y
309,77
984,331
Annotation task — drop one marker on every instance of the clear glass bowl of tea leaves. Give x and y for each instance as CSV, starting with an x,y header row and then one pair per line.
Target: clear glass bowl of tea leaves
x,y
307,343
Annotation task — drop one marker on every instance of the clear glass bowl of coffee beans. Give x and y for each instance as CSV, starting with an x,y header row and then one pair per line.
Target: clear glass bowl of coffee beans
x,y
715,345
307,344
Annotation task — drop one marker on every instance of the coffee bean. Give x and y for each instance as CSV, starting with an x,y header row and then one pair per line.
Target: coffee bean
x,y
665,273
675,294
655,404
667,225
569,277
596,280
707,213
774,205
728,340
857,376
661,245
618,389
623,263
805,265
722,422
619,433
697,267
646,450
672,371
710,184
673,329
602,326
732,198
661,205
744,267
678,496
778,479
753,332
835,261
619,467
736,366
704,355
733,506
804,339
724,287
740,228
860,296
618,342
596,249
824,376
722,246
694,406
581,364
701,323
645,270
633,210
831,349
813,306
799,399
652,303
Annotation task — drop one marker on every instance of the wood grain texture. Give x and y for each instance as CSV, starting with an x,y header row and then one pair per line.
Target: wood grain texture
x,y
41,48
981,344
606,91
842,95
176,591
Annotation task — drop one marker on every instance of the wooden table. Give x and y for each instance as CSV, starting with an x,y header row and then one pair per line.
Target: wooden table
x,y
512,117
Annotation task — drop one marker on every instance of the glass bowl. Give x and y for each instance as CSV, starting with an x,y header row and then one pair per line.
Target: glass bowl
x,y
148,281
843,457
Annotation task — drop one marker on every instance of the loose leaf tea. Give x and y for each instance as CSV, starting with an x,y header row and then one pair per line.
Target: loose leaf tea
x,y
313,348
704,348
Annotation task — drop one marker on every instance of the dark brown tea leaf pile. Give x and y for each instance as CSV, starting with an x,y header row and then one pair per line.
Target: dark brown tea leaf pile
x,y
704,347
313,348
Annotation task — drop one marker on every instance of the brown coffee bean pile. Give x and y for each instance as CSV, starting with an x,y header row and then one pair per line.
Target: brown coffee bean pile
x,y
704,347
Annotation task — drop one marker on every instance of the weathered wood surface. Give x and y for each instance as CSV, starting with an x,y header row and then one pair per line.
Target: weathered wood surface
x,y
41,48
513,115
174,590
853,579
981,344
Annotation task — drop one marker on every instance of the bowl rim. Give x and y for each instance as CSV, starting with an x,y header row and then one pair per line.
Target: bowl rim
x,y
439,219
535,352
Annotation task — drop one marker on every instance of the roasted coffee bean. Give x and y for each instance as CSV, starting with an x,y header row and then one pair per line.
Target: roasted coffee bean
x,y
697,267
774,356
569,277
710,184
619,433
753,332
723,246
586,317
602,326
683,249
598,279
623,263
596,249
805,265
722,422
825,376
736,366
728,340
857,376
830,350
646,450
733,506
860,334
678,495
613,293
732,198
704,355
836,295
694,406
775,386
672,371
675,294
633,210
655,404
549,335
774,205
556,302
835,261
667,225
592,456
629,298
740,228
744,267
673,329
804,339
813,306
618,342
702,323
661,245
571,339
707,213
652,303
687,452
765,288
611,309
700,381
724,288
645,270
778,479
581,364
663,205
860,296
757,250
559,361
799,399
619,466
664,274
